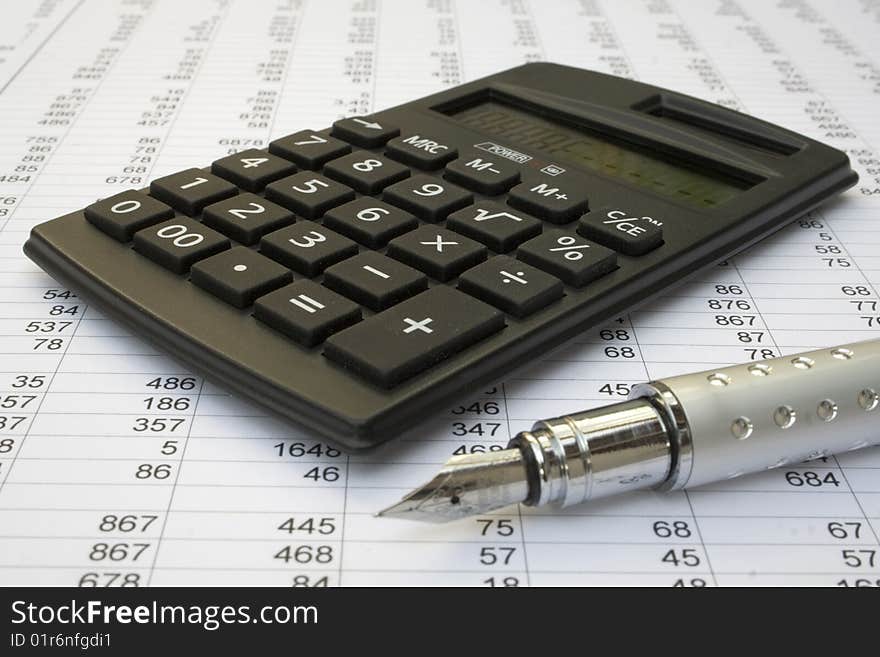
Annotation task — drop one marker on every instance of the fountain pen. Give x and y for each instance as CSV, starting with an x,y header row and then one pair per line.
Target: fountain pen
x,y
672,433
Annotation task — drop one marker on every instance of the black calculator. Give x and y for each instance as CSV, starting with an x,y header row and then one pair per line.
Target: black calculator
x,y
360,278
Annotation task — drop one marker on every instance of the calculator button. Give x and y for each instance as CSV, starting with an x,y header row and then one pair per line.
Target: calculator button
x,y
366,172
191,190
395,345
549,201
370,221
420,151
246,217
481,174
631,234
374,280
179,242
364,131
309,149
239,275
426,197
123,214
308,194
252,169
497,226
440,253
511,285
307,312
307,247
569,257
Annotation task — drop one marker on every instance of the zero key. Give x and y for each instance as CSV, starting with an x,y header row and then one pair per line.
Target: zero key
x,y
410,337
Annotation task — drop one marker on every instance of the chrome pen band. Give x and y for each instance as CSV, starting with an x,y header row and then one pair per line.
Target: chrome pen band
x,y
698,428
595,453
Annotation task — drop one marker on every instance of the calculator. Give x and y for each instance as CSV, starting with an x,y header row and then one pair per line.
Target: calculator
x,y
360,278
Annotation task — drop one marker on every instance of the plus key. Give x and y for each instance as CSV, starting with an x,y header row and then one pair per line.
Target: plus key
x,y
396,344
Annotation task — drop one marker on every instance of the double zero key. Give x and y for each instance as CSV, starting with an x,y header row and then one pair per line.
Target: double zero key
x,y
413,335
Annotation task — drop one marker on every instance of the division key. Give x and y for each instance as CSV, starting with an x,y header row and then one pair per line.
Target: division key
x,y
393,345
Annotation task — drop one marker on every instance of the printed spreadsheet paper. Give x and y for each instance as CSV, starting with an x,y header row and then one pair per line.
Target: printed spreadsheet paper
x,y
120,468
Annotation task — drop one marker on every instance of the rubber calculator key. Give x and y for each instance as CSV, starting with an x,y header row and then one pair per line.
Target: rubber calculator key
x,y
308,149
123,214
239,275
499,227
252,169
440,253
511,285
375,281
558,203
308,193
364,131
307,247
178,243
483,173
421,151
246,217
395,345
366,172
568,256
370,221
426,197
191,190
306,312
630,234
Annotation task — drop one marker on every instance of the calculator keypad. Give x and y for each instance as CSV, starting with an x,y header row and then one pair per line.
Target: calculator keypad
x,y
307,248
178,243
631,234
499,227
410,337
482,173
430,198
246,217
420,151
309,149
511,285
122,215
365,172
307,312
374,280
191,190
364,131
239,275
439,253
252,169
308,194
370,221
568,257
555,202
309,207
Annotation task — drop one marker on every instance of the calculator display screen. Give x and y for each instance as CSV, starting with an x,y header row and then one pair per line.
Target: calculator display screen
x,y
581,147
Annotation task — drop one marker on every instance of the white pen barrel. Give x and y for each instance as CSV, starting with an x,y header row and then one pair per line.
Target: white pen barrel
x,y
766,414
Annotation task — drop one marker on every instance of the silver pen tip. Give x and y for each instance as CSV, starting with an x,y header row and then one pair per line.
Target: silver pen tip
x,y
467,485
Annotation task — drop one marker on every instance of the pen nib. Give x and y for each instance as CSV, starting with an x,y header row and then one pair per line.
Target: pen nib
x,y
467,485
